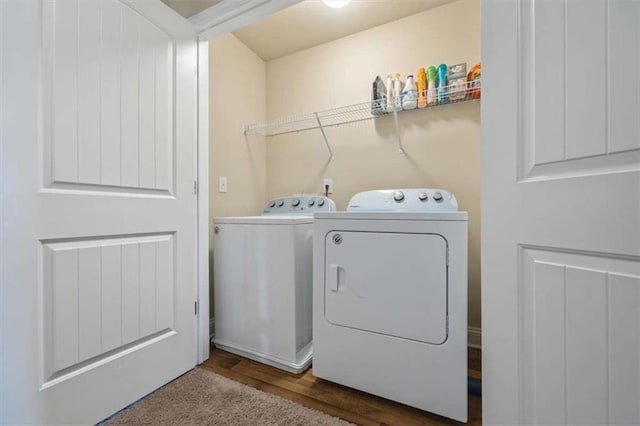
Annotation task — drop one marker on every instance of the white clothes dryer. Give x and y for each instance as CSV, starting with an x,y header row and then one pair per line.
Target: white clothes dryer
x,y
390,298
263,282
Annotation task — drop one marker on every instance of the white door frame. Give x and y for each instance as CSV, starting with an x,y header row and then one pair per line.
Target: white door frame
x,y
203,202
229,15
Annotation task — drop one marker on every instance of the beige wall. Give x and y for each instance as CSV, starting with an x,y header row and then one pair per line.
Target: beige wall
x,y
442,145
237,91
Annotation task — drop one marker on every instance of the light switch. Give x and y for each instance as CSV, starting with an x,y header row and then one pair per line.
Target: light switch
x,y
222,184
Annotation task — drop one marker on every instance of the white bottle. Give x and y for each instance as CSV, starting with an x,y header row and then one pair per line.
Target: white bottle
x,y
410,94
389,93
397,93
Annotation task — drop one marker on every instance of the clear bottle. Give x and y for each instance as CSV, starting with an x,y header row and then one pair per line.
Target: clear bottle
x,y
389,93
397,92
410,94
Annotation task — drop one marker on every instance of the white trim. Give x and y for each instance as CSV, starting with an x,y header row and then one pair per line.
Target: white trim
x,y
203,201
212,328
160,14
229,15
474,337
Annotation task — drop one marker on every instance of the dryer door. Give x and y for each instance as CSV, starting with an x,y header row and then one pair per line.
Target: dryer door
x,y
388,283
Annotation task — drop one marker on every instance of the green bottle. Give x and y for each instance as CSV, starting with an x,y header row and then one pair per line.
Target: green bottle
x,y
431,86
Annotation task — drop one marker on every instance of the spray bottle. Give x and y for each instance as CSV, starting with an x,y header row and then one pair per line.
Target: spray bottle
x,y
397,92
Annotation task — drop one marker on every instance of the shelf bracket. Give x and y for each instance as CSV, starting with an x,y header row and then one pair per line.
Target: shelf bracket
x,y
324,135
395,119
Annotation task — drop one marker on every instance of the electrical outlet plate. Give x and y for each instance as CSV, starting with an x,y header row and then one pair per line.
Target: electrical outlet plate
x,y
222,184
328,181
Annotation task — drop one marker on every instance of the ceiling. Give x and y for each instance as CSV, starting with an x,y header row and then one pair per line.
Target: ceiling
x,y
311,23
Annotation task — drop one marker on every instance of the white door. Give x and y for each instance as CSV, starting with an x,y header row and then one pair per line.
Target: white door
x,y
98,208
414,277
561,211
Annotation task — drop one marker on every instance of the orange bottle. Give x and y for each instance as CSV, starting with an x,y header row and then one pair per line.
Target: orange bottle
x,y
473,79
422,87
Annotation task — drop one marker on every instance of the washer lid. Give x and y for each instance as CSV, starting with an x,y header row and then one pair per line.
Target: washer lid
x,y
265,220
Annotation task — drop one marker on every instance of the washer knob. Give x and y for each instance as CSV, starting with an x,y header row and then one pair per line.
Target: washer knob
x,y
423,196
280,203
398,196
311,202
437,196
320,202
272,204
296,202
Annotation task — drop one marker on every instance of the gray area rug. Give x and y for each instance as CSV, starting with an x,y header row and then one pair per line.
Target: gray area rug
x,y
201,397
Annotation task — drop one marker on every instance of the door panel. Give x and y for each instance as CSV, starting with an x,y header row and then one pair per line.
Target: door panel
x,y
99,213
84,298
108,96
580,314
388,283
561,235
580,112
623,127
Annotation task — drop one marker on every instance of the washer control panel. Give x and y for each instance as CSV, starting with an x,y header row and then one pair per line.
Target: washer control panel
x,y
403,200
303,204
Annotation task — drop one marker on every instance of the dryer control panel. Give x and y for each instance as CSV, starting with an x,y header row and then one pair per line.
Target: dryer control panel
x,y
403,200
302,204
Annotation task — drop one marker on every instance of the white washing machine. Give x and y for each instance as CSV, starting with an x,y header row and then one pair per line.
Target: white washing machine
x,y
263,282
390,298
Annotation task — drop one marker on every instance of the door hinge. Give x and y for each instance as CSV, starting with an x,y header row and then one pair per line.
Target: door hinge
x,y
195,307
195,187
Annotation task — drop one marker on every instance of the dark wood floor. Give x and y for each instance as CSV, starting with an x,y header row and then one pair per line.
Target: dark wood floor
x,y
349,404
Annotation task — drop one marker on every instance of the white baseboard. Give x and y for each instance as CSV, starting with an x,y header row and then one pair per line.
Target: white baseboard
x,y
474,337
212,328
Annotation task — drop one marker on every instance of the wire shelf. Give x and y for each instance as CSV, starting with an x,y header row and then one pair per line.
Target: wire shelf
x,y
358,112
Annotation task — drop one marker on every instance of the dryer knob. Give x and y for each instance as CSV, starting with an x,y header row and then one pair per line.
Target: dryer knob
x,y
437,196
423,196
280,203
398,196
272,204
296,202
320,202
311,202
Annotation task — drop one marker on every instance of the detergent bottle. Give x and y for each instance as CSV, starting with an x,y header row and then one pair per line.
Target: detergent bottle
x,y
431,86
422,88
410,94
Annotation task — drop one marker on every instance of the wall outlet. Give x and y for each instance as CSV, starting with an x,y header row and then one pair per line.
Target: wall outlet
x,y
329,182
222,184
